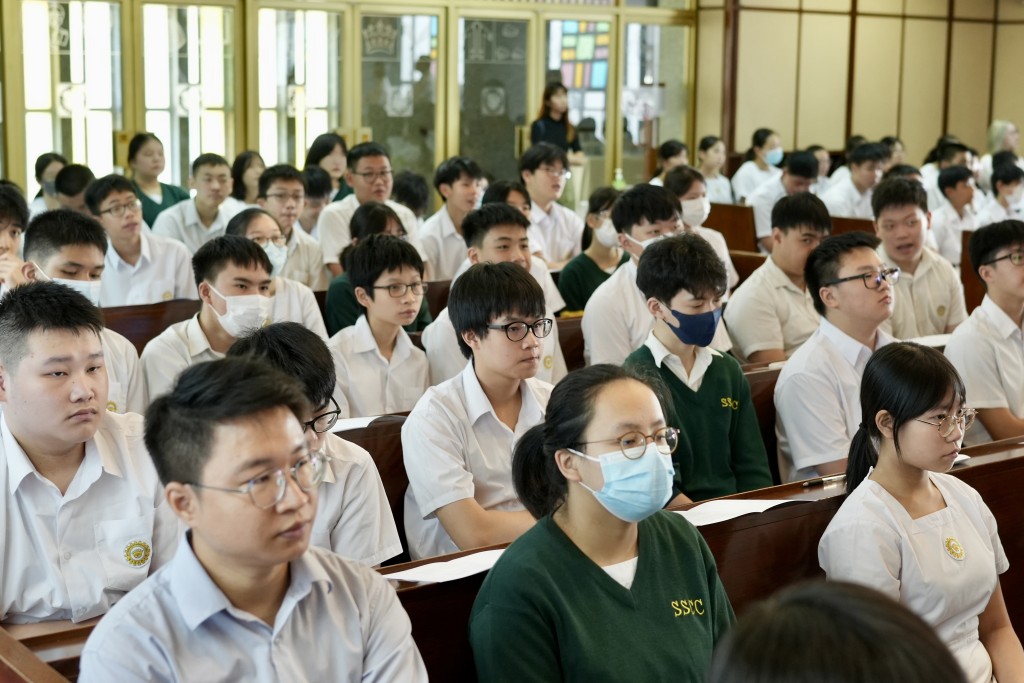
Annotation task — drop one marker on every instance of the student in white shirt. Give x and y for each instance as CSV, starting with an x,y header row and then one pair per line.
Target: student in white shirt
x,y
379,370
140,267
282,195
67,247
822,182
851,197
843,172
459,182
955,215
897,152
245,597
760,164
47,166
1003,136
556,233
83,514
671,154
799,172
711,159
949,155
1007,193
194,222
817,396
929,296
353,515
371,177
988,348
457,442
772,313
233,279
14,218
318,197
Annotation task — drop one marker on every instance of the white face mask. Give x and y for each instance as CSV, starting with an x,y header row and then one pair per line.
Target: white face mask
x,y
1016,195
649,241
90,289
696,211
606,234
277,255
245,312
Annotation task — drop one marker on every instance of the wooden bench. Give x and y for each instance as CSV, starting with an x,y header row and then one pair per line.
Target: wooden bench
x,y
841,225
762,395
139,324
570,339
736,223
746,262
974,288
437,296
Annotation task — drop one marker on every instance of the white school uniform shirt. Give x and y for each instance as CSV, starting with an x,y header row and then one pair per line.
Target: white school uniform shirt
x,y
820,186
180,346
817,400
72,556
38,205
987,350
557,235
353,516
935,196
370,384
843,199
928,301
295,302
768,311
717,242
762,201
985,181
840,174
719,189
181,222
305,262
179,626
126,385
993,212
947,230
455,448
943,566
163,272
929,172
332,228
445,246
749,177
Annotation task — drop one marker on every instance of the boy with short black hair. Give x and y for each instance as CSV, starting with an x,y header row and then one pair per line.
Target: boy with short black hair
x,y
141,267
459,182
556,232
955,215
379,369
13,221
817,396
458,440
319,193
71,182
949,155
799,172
1007,193
684,280
245,597
194,222
771,314
84,517
929,296
851,196
988,349
282,194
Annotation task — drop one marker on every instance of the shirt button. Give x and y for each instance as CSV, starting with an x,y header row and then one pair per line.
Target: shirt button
x,y
67,556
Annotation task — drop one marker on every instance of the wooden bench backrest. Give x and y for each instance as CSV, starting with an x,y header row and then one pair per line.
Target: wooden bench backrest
x,y
762,395
842,225
974,290
746,262
139,324
736,223
570,338
437,296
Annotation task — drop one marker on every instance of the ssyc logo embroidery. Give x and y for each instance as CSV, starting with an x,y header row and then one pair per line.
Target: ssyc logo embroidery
x,y
137,553
954,549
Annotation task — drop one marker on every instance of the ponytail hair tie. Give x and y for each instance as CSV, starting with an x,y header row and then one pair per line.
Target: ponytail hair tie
x,y
862,426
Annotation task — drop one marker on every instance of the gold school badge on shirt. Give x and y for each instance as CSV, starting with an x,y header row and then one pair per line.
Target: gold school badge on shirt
x,y
137,553
954,549
548,362
112,406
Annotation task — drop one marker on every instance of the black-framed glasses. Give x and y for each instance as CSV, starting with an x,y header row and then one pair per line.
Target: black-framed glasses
x,y
373,176
947,423
633,444
323,422
398,290
267,490
118,210
516,331
872,280
1014,257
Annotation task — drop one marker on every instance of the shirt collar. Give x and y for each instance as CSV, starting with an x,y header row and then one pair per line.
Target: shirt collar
x,y
661,355
192,217
363,340
997,317
19,466
855,353
537,214
197,340
447,224
145,255
778,278
478,405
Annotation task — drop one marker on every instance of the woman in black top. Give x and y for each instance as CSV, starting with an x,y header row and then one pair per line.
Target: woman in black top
x,y
552,124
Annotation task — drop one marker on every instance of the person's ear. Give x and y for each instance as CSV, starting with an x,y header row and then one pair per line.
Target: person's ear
x,y
3,383
444,189
362,297
777,235
656,308
927,220
472,340
566,463
192,183
828,297
261,202
348,176
30,271
474,255
883,421
206,293
182,500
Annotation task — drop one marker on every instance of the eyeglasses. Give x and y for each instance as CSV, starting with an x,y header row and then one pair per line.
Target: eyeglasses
x,y
556,172
118,210
872,280
325,421
268,490
279,241
516,331
374,176
633,444
398,290
947,423
285,196
1015,257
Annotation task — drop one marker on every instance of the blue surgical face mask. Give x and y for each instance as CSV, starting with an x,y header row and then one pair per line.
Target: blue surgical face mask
x,y
696,329
633,489
773,156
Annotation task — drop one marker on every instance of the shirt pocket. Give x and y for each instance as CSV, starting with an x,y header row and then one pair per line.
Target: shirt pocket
x,y
160,289
125,547
117,397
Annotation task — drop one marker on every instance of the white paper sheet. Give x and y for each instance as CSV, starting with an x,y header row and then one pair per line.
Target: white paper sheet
x,y
460,567
933,340
353,423
715,511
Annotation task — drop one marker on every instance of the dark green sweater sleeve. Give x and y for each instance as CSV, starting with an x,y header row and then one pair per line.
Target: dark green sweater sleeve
x,y
749,459
513,645
572,288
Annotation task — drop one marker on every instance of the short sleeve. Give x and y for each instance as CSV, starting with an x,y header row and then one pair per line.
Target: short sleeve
x,y
391,653
810,412
434,452
752,321
863,552
184,278
975,359
333,232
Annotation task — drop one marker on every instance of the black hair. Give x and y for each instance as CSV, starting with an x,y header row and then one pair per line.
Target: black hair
x,y
891,141
51,231
451,170
45,307
667,150
365,149
296,351
376,255
802,165
758,139
644,202
950,150
44,160
73,179
933,153
1006,174
680,262
13,207
802,209
240,222
317,182
179,431
487,291
602,199
477,223
279,173
707,142
540,485
907,380
539,154
208,159
213,257
242,163
869,151
823,263
101,188
985,242
898,192
832,632
950,177
323,146
853,142
680,179
139,141
1007,156
499,191
370,218
410,189
901,171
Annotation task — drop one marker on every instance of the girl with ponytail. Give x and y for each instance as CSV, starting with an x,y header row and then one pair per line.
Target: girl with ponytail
x,y
907,528
598,589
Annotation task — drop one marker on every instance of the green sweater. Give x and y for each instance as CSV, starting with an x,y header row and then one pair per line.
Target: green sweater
x,y
342,310
723,452
546,612
170,195
579,278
